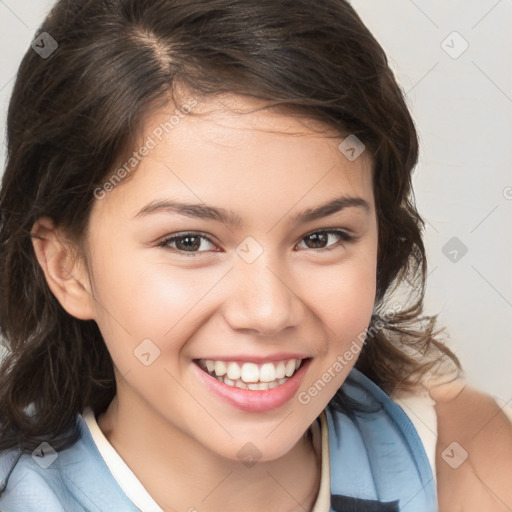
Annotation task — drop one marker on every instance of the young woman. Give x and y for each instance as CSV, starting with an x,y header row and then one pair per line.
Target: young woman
x,y
205,212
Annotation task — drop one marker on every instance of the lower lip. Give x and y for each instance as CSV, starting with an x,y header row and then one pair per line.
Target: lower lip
x,y
255,400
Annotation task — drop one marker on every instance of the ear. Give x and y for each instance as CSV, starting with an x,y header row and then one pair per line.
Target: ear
x,y
64,270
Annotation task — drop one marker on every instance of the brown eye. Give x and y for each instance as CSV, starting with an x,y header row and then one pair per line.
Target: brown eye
x,y
318,240
187,243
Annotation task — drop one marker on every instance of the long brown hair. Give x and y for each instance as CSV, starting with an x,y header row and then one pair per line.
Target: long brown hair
x,y
71,120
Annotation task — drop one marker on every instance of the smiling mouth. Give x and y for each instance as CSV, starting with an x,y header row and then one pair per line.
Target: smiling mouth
x,y
256,377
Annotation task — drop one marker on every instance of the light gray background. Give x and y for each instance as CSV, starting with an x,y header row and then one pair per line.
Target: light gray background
x,y
462,105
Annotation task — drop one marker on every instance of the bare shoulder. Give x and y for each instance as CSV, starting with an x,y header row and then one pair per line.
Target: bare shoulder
x,y
473,451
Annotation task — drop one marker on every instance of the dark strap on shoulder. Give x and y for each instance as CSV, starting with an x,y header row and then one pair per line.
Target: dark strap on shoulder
x,y
348,504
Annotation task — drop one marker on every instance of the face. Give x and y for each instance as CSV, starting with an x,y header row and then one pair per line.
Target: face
x,y
249,285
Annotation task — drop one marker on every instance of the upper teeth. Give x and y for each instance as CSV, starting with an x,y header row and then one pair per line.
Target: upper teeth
x,y
251,372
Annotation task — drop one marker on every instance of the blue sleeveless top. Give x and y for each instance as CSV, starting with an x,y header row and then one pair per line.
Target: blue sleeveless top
x,y
378,464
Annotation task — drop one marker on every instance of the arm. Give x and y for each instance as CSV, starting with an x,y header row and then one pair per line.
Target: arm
x,y
483,480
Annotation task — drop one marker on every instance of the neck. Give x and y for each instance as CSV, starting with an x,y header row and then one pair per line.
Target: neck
x,y
181,474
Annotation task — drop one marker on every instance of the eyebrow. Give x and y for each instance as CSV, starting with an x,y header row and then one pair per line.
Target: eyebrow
x,y
202,211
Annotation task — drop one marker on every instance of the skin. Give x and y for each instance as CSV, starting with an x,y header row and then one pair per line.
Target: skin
x,y
478,479
179,439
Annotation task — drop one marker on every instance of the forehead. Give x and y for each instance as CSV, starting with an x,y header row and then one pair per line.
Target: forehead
x,y
233,151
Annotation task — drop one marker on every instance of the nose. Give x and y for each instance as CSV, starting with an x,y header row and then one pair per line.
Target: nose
x,y
263,298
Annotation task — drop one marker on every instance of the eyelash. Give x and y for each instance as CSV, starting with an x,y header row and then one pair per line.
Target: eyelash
x,y
344,236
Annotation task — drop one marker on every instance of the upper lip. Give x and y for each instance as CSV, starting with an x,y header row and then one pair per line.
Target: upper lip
x,y
258,359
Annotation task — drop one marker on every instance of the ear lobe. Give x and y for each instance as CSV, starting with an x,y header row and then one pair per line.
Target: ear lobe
x,y
64,270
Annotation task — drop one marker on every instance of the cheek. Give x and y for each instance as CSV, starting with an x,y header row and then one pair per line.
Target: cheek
x,y
164,298
147,295
344,305
344,308
150,300
345,296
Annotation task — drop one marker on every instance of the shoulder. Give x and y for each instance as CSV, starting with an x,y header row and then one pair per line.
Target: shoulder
x,y
473,451
74,479
27,486
43,479
375,450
